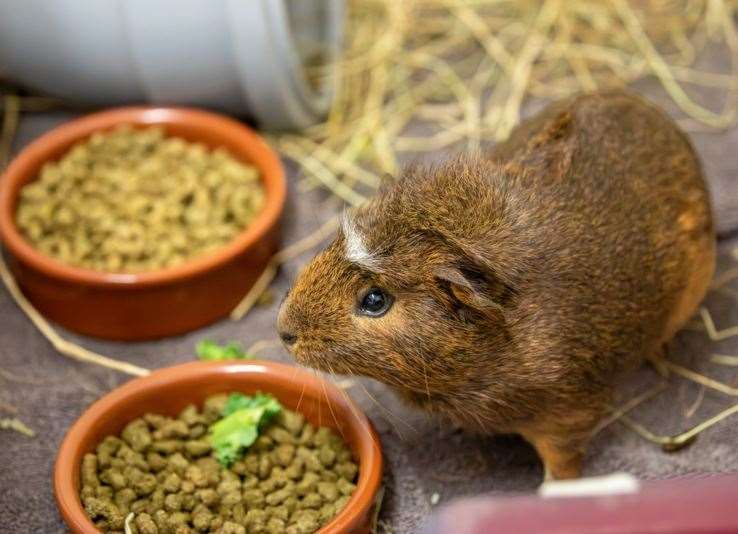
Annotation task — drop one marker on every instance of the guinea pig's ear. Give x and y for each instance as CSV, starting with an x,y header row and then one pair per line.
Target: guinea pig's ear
x,y
471,288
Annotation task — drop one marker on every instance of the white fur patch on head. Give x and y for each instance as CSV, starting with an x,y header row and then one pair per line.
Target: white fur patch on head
x,y
355,246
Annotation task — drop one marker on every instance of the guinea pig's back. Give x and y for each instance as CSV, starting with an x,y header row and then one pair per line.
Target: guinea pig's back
x,y
622,213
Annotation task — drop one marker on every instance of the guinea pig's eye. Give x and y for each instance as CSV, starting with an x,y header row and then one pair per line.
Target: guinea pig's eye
x,y
375,302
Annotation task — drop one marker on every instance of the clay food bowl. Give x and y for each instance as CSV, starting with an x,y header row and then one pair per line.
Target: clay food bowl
x,y
168,391
157,303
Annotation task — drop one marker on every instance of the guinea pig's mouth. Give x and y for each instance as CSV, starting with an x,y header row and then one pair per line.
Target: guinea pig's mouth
x,y
334,364
322,358
423,398
320,361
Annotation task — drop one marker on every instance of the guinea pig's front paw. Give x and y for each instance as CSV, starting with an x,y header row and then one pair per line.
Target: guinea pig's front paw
x,y
562,465
562,458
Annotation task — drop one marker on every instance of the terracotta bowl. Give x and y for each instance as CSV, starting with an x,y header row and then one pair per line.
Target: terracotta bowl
x,y
169,390
157,303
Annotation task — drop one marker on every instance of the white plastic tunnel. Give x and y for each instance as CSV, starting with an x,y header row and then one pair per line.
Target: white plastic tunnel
x,y
245,57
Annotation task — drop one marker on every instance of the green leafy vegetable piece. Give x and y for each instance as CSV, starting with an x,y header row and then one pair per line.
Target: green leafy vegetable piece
x,y
239,401
243,416
208,350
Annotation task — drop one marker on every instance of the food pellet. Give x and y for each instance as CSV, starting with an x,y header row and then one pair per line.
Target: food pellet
x,y
131,200
295,481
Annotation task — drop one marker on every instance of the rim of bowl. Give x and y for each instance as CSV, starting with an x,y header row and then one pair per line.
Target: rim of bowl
x,y
41,150
370,453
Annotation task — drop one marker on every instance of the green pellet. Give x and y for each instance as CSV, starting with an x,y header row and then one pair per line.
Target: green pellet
x,y
181,200
295,478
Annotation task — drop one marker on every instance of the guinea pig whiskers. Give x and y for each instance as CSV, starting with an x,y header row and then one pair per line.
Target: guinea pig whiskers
x,y
302,391
390,414
320,419
425,377
299,401
330,408
345,395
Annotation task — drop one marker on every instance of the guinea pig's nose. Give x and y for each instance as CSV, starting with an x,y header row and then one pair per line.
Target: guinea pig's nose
x,y
289,338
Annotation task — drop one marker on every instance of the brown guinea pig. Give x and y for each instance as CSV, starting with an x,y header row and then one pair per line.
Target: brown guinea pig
x,y
508,291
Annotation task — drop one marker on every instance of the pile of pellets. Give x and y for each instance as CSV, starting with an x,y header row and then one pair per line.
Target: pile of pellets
x,y
292,480
132,200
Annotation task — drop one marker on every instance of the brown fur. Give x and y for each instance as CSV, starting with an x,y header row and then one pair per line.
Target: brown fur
x,y
526,280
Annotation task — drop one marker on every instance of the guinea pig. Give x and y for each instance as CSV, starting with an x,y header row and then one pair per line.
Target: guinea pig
x,y
508,291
